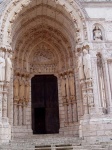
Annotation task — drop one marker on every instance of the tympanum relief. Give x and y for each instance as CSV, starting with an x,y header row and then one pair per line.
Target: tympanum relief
x,y
44,61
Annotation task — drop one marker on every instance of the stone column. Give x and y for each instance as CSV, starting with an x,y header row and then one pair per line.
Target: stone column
x,y
24,113
74,108
66,113
90,96
20,113
15,114
28,107
85,97
70,113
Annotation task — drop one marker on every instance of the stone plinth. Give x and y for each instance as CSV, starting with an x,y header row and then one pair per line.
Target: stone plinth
x,y
96,129
5,130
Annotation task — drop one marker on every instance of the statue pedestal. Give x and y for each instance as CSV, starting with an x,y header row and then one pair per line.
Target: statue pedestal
x,y
21,131
5,130
96,128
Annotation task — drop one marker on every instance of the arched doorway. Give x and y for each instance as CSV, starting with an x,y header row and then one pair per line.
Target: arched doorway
x,y
45,35
45,107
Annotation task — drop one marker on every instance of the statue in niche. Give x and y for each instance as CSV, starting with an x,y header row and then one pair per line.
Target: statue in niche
x,y
8,68
2,67
22,89
87,64
97,34
16,88
80,66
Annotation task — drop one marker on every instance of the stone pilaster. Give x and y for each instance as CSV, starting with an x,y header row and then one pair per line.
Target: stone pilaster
x,y
108,90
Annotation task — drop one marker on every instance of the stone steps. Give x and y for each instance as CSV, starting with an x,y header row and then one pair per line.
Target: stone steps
x,y
52,142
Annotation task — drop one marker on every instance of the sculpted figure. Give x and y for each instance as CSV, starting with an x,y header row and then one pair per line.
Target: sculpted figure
x,y
2,67
80,66
71,84
97,34
27,91
16,88
87,64
63,84
67,86
22,89
8,68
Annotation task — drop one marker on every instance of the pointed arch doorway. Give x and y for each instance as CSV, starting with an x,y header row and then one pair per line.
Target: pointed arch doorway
x,y
45,108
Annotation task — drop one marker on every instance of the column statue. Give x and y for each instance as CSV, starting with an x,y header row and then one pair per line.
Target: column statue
x,y
67,86
2,67
27,91
22,89
71,84
87,64
16,88
8,68
63,84
80,66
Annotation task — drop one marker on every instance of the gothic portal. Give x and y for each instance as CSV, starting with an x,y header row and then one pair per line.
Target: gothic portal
x,y
56,70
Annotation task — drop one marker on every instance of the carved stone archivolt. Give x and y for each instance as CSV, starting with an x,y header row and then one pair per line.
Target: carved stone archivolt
x,y
13,14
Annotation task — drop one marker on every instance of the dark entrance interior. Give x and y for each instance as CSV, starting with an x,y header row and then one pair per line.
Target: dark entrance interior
x,y
45,109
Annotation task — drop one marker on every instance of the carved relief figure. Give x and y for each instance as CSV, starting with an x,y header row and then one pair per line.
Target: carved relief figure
x,y
2,67
97,34
71,83
8,68
63,84
87,64
67,86
101,78
16,88
27,91
80,66
22,89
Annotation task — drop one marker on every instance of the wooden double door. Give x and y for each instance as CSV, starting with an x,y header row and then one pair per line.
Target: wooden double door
x,y
45,107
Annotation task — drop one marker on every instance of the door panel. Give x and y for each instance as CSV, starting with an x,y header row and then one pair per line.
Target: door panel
x,y
45,98
39,121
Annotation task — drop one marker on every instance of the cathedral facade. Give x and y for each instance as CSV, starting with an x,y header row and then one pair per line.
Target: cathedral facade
x,y
56,69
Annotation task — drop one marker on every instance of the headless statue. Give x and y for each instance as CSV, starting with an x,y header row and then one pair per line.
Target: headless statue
x,y
87,64
2,67
8,69
80,67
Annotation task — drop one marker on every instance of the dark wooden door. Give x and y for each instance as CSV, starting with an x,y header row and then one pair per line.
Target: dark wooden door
x,y
39,116
45,109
